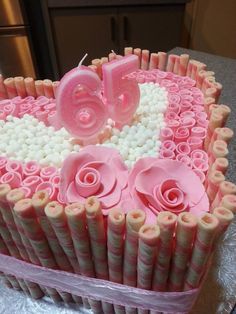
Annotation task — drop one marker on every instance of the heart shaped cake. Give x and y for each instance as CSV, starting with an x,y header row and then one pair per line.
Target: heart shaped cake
x,y
116,172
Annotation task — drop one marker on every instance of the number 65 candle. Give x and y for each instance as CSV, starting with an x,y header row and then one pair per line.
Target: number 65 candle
x,y
81,107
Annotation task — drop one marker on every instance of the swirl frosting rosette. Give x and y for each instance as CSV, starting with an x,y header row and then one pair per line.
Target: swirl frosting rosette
x,y
157,185
95,171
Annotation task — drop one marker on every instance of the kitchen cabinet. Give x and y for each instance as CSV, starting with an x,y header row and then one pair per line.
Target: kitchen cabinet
x,y
97,31
74,28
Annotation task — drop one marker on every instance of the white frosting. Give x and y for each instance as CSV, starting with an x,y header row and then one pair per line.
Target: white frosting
x,y
28,139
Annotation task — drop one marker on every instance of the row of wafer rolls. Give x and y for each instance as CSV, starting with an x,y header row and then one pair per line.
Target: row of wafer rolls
x,y
181,65
170,255
18,86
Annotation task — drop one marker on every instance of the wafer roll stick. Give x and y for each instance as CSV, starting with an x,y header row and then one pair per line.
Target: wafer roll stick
x,y
12,198
147,250
229,202
208,101
224,134
207,228
112,56
98,243
183,64
55,85
7,236
30,86
216,121
214,180
27,216
55,213
39,88
115,249
128,51
219,150
225,188
76,219
10,223
225,217
134,221
115,244
20,86
138,53
97,63
3,92
48,89
171,63
176,65
166,222
97,236
6,278
10,87
39,201
207,83
185,234
162,60
154,59
145,59
225,111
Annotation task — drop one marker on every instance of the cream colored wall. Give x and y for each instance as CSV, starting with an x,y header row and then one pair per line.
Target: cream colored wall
x,y
212,26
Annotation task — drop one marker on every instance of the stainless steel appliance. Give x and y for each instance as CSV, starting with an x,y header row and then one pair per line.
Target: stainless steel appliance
x,y
15,53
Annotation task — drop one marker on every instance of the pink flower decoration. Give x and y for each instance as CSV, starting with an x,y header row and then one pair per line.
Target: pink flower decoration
x,y
159,185
97,171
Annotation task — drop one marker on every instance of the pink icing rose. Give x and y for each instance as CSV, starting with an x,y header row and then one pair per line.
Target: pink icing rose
x,y
159,185
95,171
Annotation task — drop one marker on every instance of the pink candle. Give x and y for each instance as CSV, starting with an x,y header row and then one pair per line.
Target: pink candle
x,y
121,94
79,104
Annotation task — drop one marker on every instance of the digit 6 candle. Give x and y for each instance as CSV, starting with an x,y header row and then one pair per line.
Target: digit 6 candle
x,y
79,104
121,94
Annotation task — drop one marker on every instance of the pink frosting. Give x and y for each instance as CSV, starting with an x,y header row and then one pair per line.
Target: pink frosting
x,y
12,178
97,171
166,185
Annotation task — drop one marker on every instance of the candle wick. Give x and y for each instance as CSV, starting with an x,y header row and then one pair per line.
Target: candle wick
x,y
113,52
82,60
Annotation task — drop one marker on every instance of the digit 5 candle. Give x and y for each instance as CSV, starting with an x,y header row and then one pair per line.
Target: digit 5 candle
x,y
121,94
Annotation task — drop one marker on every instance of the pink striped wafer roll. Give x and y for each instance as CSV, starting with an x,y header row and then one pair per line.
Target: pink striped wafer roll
x,y
185,234
39,88
225,111
30,86
225,188
219,149
20,86
27,216
225,217
216,121
55,85
48,89
176,65
115,244
145,59
128,51
162,60
97,63
55,214
224,134
97,236
138,52
154,59
40,200
166,222
229,202
183,64
147,250
104,60
3,92
10,87
221,164
171,63
214,180
207,229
